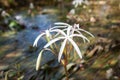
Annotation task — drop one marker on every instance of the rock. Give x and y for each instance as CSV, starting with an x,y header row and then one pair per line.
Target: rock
x,y
109,73
4,67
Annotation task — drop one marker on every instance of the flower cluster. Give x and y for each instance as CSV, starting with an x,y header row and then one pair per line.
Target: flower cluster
x,y
76,3
65,33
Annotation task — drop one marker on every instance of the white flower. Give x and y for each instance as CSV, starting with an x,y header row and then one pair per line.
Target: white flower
x,y
74,29
66,33
76,3
31,6
66,37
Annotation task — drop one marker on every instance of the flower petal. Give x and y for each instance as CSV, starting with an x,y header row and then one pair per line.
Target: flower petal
x,y
75,47
40,57
39,60
47,33
86,32
68,30
53,41
57,27
78,35
76,26
36,40
61,23
61,50
58,31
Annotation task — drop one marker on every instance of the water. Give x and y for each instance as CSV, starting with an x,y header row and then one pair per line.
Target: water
x,y
34,26
41,21
20,50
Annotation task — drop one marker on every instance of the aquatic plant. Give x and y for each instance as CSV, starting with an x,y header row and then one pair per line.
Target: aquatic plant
x,y
65,34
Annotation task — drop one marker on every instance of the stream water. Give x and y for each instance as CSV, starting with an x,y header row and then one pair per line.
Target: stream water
x,y
17,48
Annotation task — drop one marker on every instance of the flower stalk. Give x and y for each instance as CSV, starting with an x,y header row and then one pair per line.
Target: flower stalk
x,y
66,72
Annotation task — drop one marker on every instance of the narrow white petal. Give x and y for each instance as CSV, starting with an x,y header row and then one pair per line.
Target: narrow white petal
x,y
58,31
78,31
61,50
78,35
49,50
39,60
56,27
75,47
61,23
53,41
75,30
47,33
36,40
86,32
68,30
